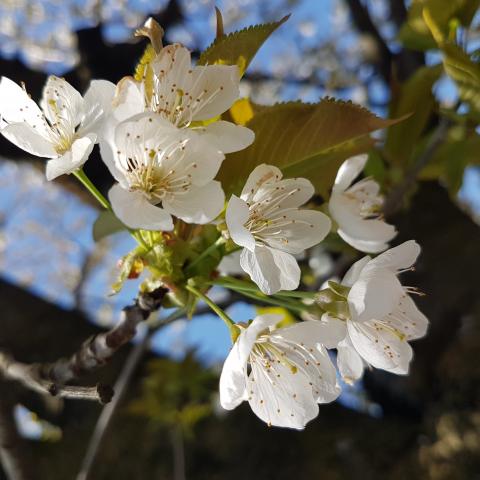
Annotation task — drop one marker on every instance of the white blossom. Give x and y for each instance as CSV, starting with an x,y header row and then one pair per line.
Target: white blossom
x,y
66,127
161,173
282,372
267,222
186,95
356,209
383,316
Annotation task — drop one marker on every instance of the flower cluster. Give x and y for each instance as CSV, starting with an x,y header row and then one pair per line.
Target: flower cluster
x,y
164,137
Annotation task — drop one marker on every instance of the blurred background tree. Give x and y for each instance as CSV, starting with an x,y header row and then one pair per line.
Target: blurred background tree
x,y
383,54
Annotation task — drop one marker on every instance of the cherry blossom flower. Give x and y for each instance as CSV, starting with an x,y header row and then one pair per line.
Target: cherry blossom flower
x,y
267,222
356,209
282,372
185,96
66,127
383,316
160,174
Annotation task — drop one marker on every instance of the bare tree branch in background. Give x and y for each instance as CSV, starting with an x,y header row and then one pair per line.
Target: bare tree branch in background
x,y
364,23
395,199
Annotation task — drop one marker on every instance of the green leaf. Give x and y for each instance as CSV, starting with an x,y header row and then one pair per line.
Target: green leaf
x,y
450,161
464,72
457,63
415,33
413,97
106,224
239,48
322,169
303,139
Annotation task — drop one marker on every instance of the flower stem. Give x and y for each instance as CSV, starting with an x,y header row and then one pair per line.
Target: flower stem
x,y
271,300
297,294
86,182
214,246
235,283
228,321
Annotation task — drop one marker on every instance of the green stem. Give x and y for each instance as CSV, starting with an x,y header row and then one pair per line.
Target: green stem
x,y
297,294
278,302
228,321
160,322
205,253
86,182
251,290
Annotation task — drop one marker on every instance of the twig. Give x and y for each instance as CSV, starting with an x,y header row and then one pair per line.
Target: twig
x,y
31,377
108,411
105,418
12,451
394,200
51,378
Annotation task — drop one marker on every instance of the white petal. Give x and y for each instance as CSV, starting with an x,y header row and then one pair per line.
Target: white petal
x,y
310,359
199,205
354,271
128,100
107,154
232,385
307,228
145,130
236,216
408,319
232,379
17,107
264,185
345,212
375,294
230,264
73,159
260,175
217,88
400,257
173,65
27,138
348,171
328,332
62,103
135,211
272,270
380,346
227,136
349,362
98,103
281,398
205,157
367,246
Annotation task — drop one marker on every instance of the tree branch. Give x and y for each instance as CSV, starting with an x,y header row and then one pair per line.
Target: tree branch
x,y
51,378
394,200
364,23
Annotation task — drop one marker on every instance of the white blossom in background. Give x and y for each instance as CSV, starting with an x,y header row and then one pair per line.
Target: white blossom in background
x,y
356,209
267,222
282,372
230,264
66,127
184,95
383,316
161,173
